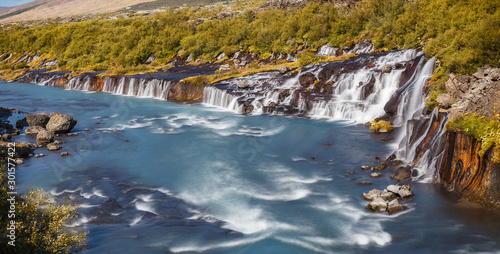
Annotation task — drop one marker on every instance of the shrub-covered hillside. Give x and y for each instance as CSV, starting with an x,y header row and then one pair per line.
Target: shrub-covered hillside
x,y
463,34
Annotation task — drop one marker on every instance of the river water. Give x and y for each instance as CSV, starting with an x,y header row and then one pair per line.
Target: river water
x,y
160,177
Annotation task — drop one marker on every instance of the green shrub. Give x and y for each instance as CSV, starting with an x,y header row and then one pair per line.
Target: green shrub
x,y
38,220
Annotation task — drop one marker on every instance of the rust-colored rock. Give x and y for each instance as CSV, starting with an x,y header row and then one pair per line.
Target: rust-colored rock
x,y
471,176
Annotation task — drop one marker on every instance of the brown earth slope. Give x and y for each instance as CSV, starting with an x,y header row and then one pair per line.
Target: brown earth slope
x,y
44,9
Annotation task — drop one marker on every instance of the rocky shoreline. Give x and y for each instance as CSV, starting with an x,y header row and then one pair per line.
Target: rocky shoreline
x,y
42,127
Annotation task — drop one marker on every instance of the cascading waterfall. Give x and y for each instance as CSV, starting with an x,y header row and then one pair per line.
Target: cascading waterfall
x,y
426,164
217,97
81,83
359,94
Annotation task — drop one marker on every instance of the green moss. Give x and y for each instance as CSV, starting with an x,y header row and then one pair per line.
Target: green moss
x,y
486,130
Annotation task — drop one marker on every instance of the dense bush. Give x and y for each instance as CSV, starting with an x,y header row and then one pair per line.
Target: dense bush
x,y
39,222
463,34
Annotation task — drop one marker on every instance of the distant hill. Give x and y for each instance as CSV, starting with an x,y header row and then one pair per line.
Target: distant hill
x,y
44,9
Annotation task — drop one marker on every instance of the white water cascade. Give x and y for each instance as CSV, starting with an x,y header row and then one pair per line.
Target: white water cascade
x,y
358,95
140,87
81,83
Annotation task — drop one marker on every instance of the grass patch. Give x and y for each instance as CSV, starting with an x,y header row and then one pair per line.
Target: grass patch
x,y
486,130
436,87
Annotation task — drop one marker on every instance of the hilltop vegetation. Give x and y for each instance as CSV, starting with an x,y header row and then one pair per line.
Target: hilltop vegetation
x,y
463,34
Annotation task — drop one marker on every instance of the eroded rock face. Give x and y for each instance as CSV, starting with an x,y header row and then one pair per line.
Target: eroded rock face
x,y
471,176
60,123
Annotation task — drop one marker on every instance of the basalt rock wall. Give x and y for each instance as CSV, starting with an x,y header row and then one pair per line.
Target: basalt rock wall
x,y
464,171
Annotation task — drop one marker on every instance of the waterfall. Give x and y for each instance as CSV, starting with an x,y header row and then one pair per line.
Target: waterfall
x,y
327,50
139,87
355,89
81,83
217,97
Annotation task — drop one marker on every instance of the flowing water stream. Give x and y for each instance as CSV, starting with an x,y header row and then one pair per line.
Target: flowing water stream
x,y
154,176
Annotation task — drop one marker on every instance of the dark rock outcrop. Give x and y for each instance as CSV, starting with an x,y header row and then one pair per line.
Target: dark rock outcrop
x,y
37,120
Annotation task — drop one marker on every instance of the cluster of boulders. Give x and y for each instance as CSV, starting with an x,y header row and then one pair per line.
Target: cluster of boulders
x,y
387,200
46,127
394,198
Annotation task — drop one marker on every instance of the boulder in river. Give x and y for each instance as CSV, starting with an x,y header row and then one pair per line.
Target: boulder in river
x,y
377,205
34,130
22,123
242,84
402,173
53,147
6,137
393,207
387,68
45,136
37,120
60,123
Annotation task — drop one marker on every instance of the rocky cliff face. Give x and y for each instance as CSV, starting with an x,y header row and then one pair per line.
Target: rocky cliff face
x,y
464,171
452,158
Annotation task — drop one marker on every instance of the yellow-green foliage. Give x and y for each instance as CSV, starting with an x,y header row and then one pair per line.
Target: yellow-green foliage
x,y
380,126
39,222
436,87
463,34
481,128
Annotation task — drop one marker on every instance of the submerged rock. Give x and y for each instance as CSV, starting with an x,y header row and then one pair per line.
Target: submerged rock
x,y
380,167
53,147
364,183
60,123
402,173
